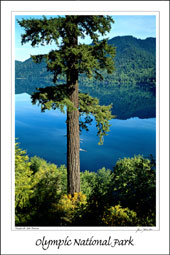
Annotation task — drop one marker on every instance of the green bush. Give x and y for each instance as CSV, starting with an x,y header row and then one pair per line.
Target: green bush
x,y
102,191
99,196
98,185
38,184
134,181
35,163
88,180
103,182
49,184
118,216
69,209
123,197
23,185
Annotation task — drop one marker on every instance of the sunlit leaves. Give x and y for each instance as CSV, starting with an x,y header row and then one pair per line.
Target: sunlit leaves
x,y
23,182
118,216
41,200
22,177
134,183
70,207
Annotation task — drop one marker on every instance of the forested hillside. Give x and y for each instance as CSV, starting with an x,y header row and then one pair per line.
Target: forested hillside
x,y
135,60
134,64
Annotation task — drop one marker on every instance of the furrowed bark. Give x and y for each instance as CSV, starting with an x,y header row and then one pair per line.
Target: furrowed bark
x,y
73,139
73,142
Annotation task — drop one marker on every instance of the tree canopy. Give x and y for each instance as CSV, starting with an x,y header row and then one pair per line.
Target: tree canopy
x,y
90,59
81,58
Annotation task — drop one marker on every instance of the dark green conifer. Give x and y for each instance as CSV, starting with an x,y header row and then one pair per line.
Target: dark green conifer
x,y
72,58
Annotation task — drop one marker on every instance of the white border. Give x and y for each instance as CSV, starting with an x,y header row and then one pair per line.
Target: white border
x,y
95,228
23,242
158,121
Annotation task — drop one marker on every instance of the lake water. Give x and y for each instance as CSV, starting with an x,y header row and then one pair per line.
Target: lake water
x,y
44,135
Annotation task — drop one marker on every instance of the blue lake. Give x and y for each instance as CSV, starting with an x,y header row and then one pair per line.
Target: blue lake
x,y
44,135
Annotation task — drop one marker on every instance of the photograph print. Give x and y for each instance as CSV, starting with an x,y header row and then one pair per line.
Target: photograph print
x,y
85,120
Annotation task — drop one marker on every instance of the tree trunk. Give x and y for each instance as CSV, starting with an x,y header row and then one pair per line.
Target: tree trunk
x,y
73,139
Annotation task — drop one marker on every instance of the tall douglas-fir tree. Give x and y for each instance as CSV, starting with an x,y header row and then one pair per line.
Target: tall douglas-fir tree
x,y
71,59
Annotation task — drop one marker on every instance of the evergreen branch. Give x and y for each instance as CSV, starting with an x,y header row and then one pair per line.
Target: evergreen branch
x,y
90,106
53,97
58,97
41,31
38,58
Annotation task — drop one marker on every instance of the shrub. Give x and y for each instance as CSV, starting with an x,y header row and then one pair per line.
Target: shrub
x,y
96,184
49,183
103,181
23,185
118,216
134,181
102,190
35,163
88,180
38,184
70,208
115,198
100,196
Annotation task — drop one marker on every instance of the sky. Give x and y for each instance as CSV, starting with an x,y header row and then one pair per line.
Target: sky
x,y
139,26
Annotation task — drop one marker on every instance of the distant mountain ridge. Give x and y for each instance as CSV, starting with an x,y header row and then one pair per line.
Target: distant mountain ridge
x,y
148,44
135,63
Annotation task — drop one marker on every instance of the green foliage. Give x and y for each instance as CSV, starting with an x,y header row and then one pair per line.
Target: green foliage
x,y
134,181
118,216
90,105
53,97
135,64
50,177
147,221
35,163
103,182
49,184
89,58
41,31
100,195
23,182
97,185
87,182
70,208
38,184
123,197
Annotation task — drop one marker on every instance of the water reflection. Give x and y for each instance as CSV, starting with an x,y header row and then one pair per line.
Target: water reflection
x,y
135,101
44,134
